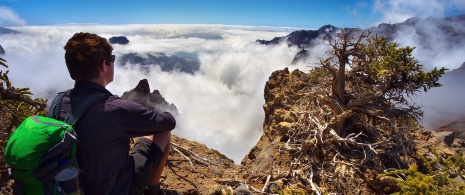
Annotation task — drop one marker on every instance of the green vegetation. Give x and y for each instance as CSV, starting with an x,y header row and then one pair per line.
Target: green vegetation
x,y
439,176
16,104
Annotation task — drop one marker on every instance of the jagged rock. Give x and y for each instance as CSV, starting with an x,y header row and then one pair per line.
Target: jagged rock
x,y
2,51
153,101
119,40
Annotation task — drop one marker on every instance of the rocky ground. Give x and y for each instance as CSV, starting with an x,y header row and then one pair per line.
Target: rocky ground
x,y
271,166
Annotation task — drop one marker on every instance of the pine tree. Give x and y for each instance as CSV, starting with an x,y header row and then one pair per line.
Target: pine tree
x,y
360,114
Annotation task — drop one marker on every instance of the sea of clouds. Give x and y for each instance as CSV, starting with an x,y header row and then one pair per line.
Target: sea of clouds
x,y
220,105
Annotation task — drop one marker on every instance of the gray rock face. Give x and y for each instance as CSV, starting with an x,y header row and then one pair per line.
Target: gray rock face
x,y
2,51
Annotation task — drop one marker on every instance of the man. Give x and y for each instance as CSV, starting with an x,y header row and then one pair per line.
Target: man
x,y
104,131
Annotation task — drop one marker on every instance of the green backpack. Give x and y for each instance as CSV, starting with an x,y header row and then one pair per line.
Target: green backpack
x,y
43,146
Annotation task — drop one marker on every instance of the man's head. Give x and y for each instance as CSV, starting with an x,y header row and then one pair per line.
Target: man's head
x,y
86,56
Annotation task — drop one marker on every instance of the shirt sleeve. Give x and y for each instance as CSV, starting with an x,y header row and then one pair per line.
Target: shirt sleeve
x,y
136,120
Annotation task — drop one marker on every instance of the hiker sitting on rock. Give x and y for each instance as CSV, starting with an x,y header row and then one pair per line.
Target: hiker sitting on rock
x,y
105,129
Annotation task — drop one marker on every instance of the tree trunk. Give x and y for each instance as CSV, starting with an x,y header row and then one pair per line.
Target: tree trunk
x,y
338,93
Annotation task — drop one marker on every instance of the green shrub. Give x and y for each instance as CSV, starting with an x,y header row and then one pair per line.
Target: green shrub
x,y
438,178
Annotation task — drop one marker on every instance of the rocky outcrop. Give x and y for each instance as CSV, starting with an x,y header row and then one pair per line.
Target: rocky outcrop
x,y
122,40
166,63
275,158
2,51
152,101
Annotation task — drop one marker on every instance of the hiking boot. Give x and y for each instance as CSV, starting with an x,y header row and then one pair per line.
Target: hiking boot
x,y
157,191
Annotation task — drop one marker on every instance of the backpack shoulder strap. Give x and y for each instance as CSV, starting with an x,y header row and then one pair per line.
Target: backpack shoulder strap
x,y
85,104
54,111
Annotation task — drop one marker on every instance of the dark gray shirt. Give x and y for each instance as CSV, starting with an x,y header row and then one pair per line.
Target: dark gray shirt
x,y
104,133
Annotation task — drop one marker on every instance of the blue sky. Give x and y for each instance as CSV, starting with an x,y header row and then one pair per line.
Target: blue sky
x,y
283,13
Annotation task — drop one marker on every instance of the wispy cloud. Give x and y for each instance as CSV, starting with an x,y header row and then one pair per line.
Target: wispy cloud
x,y
396,11
9,17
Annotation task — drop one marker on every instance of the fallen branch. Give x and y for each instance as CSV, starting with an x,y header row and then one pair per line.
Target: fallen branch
x,y
266,183
257,191
310,179
177,150
189,153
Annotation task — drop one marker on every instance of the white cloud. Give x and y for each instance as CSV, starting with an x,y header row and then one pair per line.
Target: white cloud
x,y
9,17
396,11
220,105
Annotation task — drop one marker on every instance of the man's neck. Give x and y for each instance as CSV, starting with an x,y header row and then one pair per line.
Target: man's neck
x,y
100,81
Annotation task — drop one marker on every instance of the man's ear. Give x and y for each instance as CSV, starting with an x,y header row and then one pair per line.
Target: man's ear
x,y
103,66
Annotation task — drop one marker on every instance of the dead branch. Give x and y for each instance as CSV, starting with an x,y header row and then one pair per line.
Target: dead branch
x,y
257,191
266,183
189,153
182,154
310,179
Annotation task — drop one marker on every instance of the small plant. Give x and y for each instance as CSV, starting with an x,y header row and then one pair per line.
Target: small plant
x,y
438,179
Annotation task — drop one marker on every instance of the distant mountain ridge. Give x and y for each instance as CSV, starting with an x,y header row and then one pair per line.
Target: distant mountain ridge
x,y
167,63
7,31
304,38
449,29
